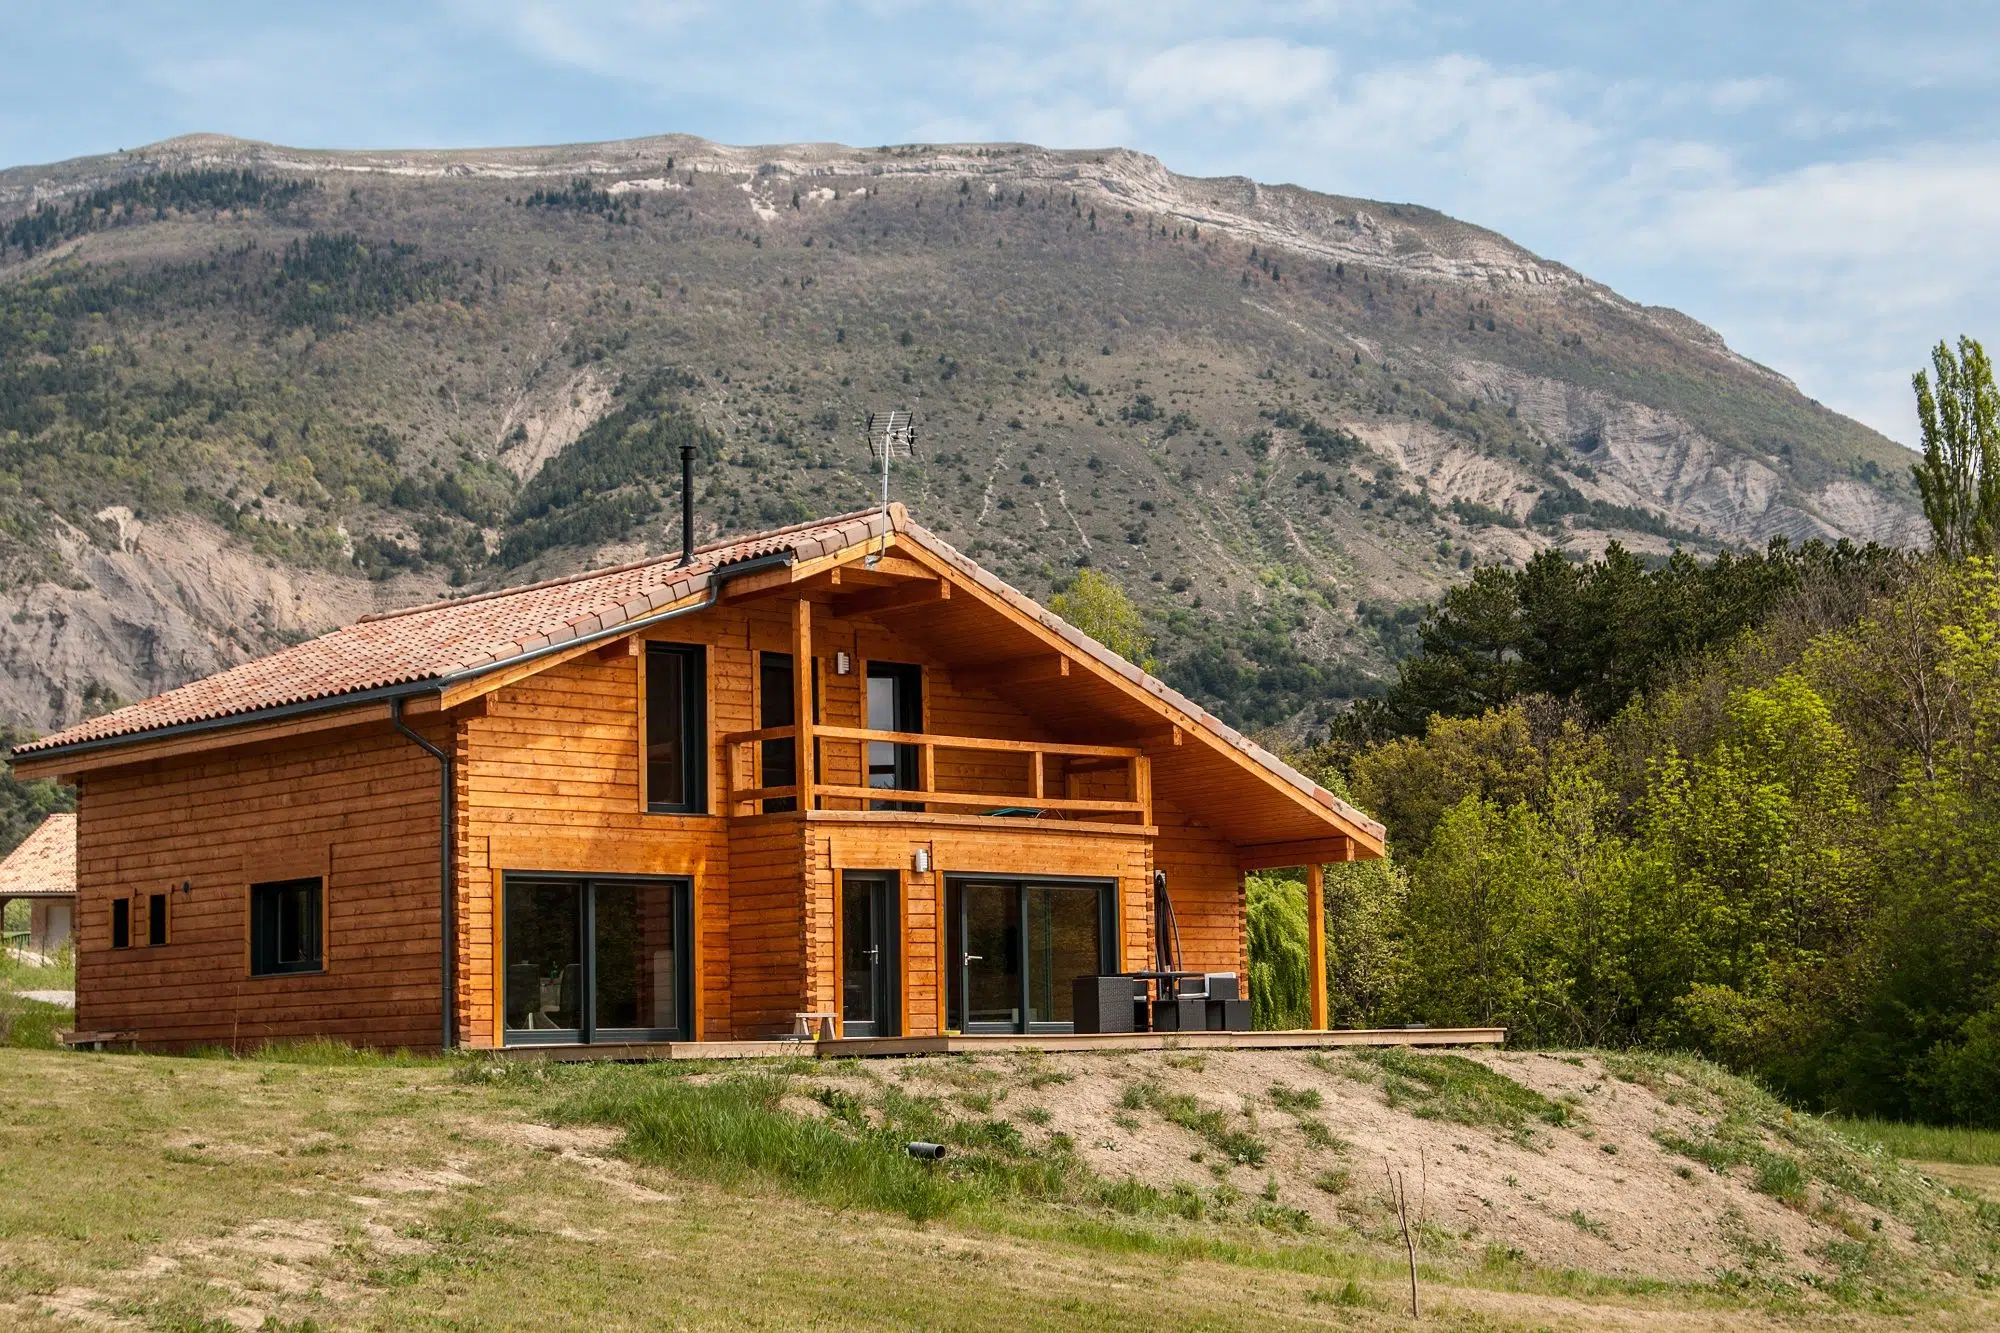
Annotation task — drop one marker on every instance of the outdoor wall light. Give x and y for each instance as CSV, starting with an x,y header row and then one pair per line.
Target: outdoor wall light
x,y
921,861
842,664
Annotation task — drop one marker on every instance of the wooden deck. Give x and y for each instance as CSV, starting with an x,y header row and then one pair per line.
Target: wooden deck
x,y
883,1047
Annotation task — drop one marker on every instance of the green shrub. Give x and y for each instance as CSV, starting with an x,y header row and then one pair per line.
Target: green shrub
x,y
1451,1087
723,1130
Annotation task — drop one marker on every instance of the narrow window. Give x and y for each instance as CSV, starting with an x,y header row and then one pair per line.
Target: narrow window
x,y
895,703
778,707
284,927
676,729
156,920
121,923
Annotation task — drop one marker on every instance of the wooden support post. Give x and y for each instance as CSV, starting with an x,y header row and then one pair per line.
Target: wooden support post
x,y
1142,788
802,699
1316,941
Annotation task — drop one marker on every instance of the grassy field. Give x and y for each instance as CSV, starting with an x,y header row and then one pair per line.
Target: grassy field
x,y
1968,1159
59,973
1931,1143
317,1189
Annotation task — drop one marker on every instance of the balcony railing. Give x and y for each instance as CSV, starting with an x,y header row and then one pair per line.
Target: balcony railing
x,y
742,753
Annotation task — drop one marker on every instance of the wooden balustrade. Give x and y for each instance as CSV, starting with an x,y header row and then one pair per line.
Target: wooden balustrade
x,y
741,769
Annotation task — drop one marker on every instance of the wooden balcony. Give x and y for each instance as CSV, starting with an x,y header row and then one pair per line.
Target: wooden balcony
x,y
1048,771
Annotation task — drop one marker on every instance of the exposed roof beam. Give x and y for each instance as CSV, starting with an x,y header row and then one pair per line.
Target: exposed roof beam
x,y
1014,671
1312,851
910,595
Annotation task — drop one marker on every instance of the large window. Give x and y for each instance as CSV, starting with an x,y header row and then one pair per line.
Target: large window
x,y
1017,945
591,959
676,729
285,927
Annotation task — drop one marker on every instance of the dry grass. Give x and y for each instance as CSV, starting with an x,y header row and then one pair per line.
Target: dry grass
x,y
323,1192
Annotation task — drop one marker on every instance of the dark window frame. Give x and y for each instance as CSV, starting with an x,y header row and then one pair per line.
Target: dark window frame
x,y
266,928
693,663
590,1033
156,920
1108,911
780,709
905,769
121,923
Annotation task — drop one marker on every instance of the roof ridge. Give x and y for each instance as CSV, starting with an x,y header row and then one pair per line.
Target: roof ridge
x,y
604,570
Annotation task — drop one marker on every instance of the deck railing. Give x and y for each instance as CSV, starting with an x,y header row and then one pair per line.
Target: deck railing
x,y
742,753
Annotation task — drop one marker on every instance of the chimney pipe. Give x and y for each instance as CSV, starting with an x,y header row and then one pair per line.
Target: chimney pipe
x,y
687,504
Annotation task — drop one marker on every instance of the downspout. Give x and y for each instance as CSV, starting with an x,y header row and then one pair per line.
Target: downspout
x,y
446,962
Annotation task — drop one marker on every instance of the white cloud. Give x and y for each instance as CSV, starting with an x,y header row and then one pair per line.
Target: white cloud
x,y
1841,273
1454,132
626,38
1244,75
1919,210
1742,94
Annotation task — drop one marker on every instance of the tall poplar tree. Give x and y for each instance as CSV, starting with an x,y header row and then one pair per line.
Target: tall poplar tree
x,y
1959,478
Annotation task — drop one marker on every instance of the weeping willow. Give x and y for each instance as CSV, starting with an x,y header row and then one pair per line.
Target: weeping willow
x,y
1280,995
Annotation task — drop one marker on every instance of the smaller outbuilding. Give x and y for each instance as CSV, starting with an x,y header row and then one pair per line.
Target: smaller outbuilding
x,y
43,871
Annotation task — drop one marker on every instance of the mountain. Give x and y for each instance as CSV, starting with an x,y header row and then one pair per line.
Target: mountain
x,y
248,393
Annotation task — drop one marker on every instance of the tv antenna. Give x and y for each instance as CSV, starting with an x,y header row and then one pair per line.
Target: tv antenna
x,y
891,435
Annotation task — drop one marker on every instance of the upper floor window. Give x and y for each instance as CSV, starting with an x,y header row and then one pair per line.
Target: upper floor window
x,y
895,703
676,729
121,923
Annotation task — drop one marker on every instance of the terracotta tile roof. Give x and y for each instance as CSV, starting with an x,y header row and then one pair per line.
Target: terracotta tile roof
x,y
447,638
44,866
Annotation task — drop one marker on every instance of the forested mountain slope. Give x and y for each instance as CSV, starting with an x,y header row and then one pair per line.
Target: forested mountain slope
x,y
250,392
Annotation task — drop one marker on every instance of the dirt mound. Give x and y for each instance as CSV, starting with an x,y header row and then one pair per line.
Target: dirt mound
x,y
1631,1167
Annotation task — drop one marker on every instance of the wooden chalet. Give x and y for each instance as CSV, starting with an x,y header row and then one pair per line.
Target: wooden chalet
x,y
832,769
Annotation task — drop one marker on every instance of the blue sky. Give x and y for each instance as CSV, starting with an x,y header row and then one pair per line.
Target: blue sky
x,y
1820,182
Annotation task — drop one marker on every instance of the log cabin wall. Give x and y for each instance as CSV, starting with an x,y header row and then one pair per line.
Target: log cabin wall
x,y
357,808
769,926
552,782
969,845
548,778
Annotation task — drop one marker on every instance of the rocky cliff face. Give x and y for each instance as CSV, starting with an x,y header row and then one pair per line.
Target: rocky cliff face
x,y
1281,418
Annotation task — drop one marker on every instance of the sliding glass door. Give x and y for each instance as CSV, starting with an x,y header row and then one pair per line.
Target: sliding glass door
x,y
1018,944
593,959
